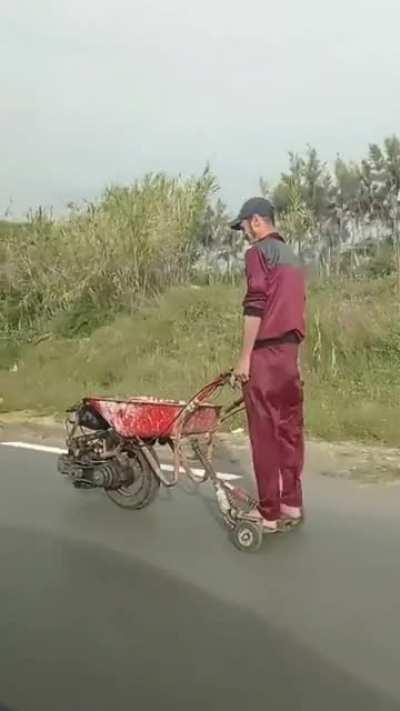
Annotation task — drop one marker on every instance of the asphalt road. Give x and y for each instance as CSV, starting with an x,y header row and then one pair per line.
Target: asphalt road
x,y
103,609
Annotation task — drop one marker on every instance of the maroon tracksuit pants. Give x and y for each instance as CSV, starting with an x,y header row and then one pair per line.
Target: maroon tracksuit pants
x,y
274,404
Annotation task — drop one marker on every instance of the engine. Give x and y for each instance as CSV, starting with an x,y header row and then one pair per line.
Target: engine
x,y
95,458
111,474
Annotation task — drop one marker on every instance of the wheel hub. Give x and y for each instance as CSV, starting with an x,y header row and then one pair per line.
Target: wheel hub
x,y
246,537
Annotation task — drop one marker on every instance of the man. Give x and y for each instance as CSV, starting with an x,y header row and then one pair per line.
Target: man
x,y
274,326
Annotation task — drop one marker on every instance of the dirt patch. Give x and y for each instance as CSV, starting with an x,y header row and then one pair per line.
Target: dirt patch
x,y
26,426
366,464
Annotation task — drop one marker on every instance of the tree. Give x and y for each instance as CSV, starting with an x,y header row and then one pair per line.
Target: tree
x,y
297,222
347,184
312,180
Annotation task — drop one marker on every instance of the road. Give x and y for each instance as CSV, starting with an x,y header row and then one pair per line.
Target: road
x,y
103,609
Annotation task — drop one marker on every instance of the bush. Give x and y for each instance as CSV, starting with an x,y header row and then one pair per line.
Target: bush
x,y
103,258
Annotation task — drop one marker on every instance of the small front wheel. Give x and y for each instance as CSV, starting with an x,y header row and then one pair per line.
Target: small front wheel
x,y
247,536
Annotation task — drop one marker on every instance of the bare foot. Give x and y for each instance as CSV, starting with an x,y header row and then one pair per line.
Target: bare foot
x,y
291,512
269,526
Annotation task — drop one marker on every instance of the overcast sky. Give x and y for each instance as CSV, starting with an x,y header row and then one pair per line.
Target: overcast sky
x,y
102,91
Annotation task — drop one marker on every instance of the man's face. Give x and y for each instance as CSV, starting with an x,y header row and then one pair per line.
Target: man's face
x,y
248,230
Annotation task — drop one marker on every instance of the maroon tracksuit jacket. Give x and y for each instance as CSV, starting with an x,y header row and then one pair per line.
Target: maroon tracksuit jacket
x,y
273,395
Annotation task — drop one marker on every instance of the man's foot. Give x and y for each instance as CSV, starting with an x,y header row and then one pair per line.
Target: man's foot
x,y
268,526
291,516
291,513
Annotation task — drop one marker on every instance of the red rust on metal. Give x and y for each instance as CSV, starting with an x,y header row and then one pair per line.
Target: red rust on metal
x,y
149,418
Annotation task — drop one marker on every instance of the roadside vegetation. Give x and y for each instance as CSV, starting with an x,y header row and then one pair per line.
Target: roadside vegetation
x,y
141,293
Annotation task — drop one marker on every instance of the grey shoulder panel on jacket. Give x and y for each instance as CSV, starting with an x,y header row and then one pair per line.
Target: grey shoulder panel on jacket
x,y
277,253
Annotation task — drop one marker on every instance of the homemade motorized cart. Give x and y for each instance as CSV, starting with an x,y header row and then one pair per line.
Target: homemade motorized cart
x,y
112,444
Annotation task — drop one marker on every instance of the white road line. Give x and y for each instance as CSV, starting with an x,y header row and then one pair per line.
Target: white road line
x,y
226,476
34,447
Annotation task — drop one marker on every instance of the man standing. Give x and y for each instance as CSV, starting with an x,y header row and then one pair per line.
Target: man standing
x,y
274,326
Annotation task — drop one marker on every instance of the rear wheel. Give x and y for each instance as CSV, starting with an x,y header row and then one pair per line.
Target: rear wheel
x,y
141,490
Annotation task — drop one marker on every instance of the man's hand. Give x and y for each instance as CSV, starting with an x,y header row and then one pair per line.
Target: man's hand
x,y
250,331
242,370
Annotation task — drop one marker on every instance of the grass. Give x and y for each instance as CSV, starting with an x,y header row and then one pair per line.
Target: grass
x,y
178,341
167,348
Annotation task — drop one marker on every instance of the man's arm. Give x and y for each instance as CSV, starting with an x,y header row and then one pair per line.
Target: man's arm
x,y
250,331
253,307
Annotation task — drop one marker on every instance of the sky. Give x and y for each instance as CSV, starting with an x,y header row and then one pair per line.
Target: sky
x,y
103,91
